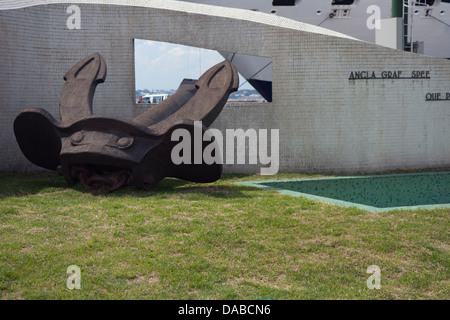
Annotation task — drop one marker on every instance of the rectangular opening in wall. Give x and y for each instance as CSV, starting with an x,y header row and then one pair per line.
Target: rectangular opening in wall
x,y
160,67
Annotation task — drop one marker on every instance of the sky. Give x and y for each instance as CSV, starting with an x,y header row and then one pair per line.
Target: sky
x,y
162,65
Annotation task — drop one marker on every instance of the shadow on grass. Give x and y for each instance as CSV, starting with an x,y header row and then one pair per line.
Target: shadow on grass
x,y
169,186
22,184
26,183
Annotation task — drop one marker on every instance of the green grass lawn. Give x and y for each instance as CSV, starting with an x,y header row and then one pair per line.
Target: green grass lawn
x,y
211,241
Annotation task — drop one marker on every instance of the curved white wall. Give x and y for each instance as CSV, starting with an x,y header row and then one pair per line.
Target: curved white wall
x,y
327,122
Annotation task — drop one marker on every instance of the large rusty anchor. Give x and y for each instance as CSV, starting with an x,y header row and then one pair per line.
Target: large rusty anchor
x,y
105,152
